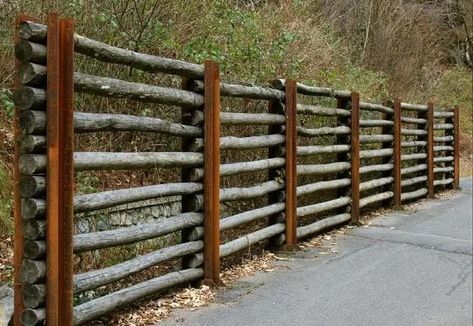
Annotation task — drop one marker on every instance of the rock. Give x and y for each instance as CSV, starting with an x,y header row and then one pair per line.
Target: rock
x,y
6,305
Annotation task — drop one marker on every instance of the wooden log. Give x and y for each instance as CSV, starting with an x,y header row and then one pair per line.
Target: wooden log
x,y
443,159
375,198
311,150
323,131
33,271
197,174
371,184
96,278
32,208
30,52
322,185
413,120
376,107
416,156
413,169
87,161
369,139
29,98
413,132
414,194
33,317
34,249
323,168
413,107
243,91
415,143
321,225
439,114
95,308
412,181
250,239
231,142
33,295
443,148
322,111
34,229
33,122
230,118
32,144
312,90
250,216
322,207
376,168
31,186
376,123
132,234
112,54
444,139
195,260
372,153
243,193
32,74
443,126
196,233
443,182
443,169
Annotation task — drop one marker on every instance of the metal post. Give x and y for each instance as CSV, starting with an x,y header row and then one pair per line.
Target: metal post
x,y
397,153
430,150
355,158
456,147
212,174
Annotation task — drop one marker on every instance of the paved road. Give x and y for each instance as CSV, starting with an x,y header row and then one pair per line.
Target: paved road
x,y
407,268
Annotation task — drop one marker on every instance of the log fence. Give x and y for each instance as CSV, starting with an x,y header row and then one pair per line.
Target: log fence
x,y
316,158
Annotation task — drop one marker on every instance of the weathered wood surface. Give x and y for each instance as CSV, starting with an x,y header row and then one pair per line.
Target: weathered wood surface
x,y
34,249
376,107
414,194
413,169
33,295
29,98
322,168
443,148
443,159
33,122
322,185
322,207
413,132
32,74
136,233
369,139
375,198
196,233
107,53
96,278
415,143
32,144
416,156
412,181
230,118
444,139
231,142
250,216
376,123
228,169
34,229
31,186
323,131
376,168
443,182
243,91
33,271
413,107
322,111
443,126
30,52
100,306
321,225
413,120
33,317
375,183
247,240
440,114
243,193
443,169
311,150
372,153
312,90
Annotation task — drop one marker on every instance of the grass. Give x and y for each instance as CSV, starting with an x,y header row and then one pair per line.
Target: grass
x,y
6,223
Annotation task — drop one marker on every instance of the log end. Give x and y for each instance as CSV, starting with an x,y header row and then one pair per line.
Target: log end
x,y
32,317
26,97
33,295
32,207
32,271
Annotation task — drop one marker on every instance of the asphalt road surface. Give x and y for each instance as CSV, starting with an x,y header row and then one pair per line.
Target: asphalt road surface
x,y
410,267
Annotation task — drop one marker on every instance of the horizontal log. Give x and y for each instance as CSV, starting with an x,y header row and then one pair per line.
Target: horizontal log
x,y
413,132
250,239
87,161
414,194
321,225
242,91
443,148
32,144
136,233
415,143
33,122
371,184
33,295
34,249
416,156
195,260
29,98
323,131
322,207
372,153
32,74
30,52
95,308
33,317
443,126
444,139
376,107
96,278
323,168
230,118
196,233
443,159
412,169
228,169
32,208
443,169
32,186
375,198
322,111
111,54
250,216
443,182
311,150
369,139
322,185
413,107
33,271
413,181
413,120
440,114
34,229
376,123
231,142
376,168
312,90
243,193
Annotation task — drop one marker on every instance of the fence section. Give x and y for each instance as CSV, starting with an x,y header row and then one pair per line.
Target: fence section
x,y
272,164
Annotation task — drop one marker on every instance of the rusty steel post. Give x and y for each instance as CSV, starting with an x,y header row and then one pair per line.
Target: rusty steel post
x,y
397,153
355,158
212,174
456,147
430,150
